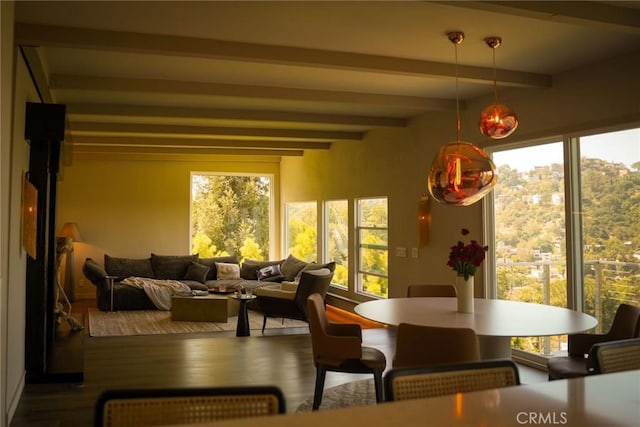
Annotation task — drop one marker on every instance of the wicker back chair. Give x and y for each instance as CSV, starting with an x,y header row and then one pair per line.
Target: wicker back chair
x,y
421,382
615,356
431,291
150,407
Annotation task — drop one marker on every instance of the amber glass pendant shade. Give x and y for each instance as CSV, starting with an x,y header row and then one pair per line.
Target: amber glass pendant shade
x,y
498,121
461,174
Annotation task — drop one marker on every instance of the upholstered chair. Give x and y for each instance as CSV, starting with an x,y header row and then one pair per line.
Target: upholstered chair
x,y
429,345
338,347
289,300
431,291
626,324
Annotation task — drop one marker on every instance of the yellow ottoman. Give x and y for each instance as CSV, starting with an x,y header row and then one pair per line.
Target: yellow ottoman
x,y
208,308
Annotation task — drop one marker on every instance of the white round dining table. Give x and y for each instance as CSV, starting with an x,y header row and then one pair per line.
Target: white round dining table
x,y
494,321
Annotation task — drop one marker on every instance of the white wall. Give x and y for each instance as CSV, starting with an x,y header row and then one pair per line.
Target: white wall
x,y
395,162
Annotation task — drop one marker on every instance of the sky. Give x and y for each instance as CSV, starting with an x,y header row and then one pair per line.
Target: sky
x,y
619,147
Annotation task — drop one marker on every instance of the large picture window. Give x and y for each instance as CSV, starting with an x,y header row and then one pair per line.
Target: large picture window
x,y
301,230
373,246
589,260
231,215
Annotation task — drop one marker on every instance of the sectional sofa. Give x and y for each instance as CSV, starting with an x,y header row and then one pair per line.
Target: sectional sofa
x,y
199,274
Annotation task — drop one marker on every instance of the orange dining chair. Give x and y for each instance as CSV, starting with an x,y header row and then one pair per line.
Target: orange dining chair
x,y
429,345
338,347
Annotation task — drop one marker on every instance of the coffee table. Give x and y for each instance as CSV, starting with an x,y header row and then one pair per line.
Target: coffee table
x,y
206,308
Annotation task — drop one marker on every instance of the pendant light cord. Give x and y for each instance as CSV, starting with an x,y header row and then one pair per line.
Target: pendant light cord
x,y
457,96
495,79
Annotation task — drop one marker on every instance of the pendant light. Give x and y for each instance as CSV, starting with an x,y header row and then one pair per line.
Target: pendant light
x,y
461,173
497,121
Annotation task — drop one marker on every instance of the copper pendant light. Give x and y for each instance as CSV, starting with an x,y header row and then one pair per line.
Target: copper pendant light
x,y
461,173
498,120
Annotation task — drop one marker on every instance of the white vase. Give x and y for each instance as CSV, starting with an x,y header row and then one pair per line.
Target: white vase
x,y
464,288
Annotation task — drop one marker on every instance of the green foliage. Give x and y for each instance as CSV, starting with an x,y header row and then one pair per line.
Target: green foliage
x,y
251,250
228,210
201,244
302,230
530,220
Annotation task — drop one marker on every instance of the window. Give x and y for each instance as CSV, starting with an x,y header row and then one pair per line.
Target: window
x,y
373,247
589,260
231,215
301,230
336,240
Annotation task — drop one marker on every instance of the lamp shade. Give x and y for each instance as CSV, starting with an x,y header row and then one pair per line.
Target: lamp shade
x,y
70,229
461,174
498,121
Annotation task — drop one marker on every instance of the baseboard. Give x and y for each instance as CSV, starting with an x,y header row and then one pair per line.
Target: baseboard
x,y
15,399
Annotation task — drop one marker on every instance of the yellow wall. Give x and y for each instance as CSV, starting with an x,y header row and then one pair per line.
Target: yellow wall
x,y
128,207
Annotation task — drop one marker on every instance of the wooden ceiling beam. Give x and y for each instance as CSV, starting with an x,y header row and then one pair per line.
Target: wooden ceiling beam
x,y
133,42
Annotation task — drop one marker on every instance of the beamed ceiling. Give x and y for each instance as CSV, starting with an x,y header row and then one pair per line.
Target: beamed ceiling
x,y
278,78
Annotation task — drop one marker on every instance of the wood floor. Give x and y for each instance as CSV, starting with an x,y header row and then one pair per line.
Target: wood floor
x,y
281,357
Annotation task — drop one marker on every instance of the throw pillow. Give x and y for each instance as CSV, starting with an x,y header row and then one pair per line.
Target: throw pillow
x,y
127,267
196,272
227,271
211,263
291,267
250,268
268,272
172,267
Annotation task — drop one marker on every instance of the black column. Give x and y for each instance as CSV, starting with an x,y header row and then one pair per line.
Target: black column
x,y
44,129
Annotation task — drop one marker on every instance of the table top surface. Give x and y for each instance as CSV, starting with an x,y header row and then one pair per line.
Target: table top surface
x,y
498,318
599,400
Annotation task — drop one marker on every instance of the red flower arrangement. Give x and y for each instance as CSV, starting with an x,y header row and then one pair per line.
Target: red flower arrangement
x,y
465,259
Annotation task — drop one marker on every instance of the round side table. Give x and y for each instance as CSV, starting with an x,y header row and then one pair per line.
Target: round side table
x,y
243,330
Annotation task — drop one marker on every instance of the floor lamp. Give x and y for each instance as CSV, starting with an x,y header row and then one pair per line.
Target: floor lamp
x,y
70,230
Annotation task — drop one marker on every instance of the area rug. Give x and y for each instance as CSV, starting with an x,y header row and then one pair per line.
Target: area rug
x,y
152,322
355,393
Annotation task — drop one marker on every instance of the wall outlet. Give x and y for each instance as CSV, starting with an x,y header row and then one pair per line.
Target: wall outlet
x,y
401,252
415,252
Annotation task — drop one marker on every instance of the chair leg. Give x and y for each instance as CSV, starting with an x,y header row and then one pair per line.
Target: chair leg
x,y
377,379
264,323
317,394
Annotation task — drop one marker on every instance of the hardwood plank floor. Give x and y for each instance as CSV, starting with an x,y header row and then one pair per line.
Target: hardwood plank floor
x,y
281,357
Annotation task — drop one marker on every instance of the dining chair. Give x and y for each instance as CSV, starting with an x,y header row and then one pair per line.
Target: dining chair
x,y
421,382
625,325
289,300
338,347
431,291
429,345
150,407
615,356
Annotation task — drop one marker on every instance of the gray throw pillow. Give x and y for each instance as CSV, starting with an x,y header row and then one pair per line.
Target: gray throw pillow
x,y
126,267
197,272
291,266
172,267
313,266
93,271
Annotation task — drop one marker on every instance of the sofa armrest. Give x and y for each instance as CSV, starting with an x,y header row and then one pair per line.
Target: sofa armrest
x,y
289,286
95,273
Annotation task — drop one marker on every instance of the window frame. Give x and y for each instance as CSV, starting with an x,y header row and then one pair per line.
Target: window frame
x,y
358,272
